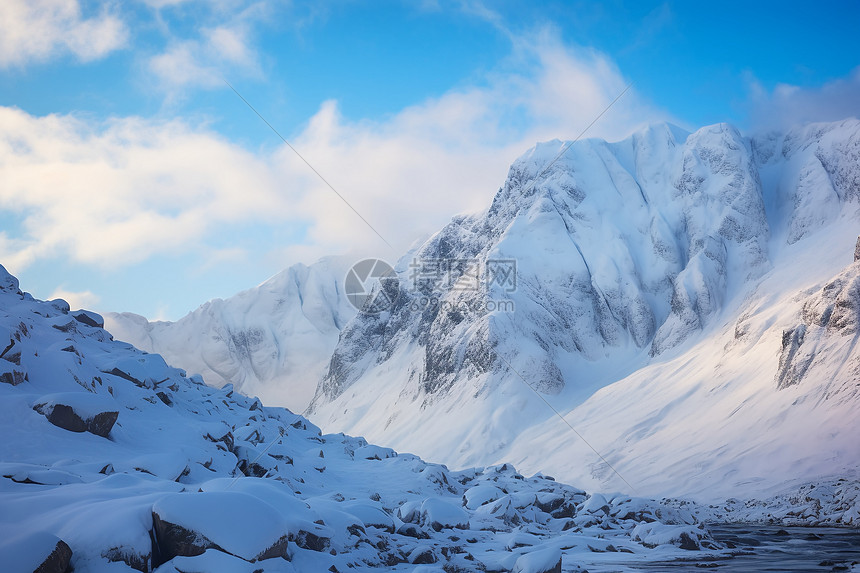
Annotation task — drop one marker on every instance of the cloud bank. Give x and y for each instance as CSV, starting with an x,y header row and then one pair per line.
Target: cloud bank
x,y
130,189
788,105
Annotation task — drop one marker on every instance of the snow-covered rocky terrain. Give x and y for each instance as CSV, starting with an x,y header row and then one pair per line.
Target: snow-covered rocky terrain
x,y
272,341
686,301
113,461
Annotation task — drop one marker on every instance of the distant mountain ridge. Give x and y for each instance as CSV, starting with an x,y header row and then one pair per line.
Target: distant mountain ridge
x,y
271,341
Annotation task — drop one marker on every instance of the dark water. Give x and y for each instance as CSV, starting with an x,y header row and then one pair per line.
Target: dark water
x,y
767,548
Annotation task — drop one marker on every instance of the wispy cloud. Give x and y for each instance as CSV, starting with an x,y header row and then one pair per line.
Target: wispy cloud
x,y
80,299
788,105
201,59
37,30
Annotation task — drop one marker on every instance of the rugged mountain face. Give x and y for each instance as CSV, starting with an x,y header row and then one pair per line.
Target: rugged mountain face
x,y
626,255
830,315
271,341
618,247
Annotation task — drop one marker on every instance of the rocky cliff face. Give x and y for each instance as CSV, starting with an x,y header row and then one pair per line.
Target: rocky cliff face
x,y
618,247
828,316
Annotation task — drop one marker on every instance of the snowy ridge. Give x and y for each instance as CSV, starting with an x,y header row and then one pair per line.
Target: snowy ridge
x,y
272,341
636,260
136,467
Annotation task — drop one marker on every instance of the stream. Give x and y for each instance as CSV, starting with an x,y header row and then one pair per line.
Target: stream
x,y
762,548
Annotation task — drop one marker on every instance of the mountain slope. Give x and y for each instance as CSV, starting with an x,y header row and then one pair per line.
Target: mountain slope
x,y
271,341
630,258
113,461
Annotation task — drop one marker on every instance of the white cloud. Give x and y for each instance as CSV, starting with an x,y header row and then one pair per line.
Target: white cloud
x,y
182,65
132,189
36,30
789,105
223,48
81,299
126,191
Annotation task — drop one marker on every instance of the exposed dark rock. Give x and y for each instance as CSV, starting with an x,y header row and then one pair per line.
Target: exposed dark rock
x,y
857,250
312,541
68,326
89,318
174,541
227,440
688,543
551,504
278,549
59,561
65,417
556,568
101,423
790,370
412,530
13,377
422,556
137,561
129,377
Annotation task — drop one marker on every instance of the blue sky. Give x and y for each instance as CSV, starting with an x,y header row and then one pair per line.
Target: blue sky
x,y
134,180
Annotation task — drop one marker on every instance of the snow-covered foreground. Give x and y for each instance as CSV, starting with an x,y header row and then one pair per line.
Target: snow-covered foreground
x,y
113,461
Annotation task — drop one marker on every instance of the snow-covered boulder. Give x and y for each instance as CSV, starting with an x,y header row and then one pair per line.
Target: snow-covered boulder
x,y
371,514
438,515
541,561
89,318
79,412
655,534
480,494
39,552
187,524
11,375
371,452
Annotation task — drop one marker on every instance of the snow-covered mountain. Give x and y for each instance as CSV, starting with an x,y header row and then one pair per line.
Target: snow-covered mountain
x,y
646,271
665,305
272,341
112,461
